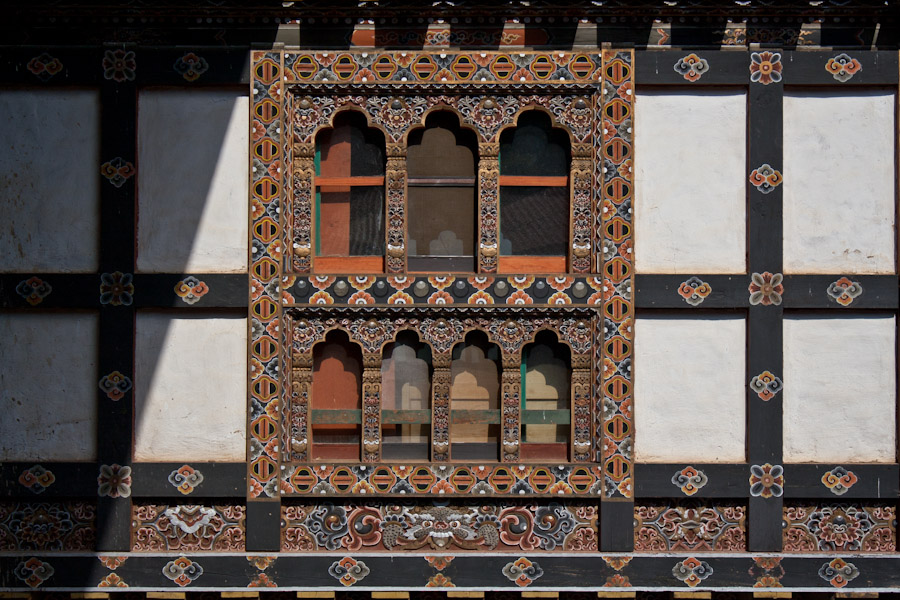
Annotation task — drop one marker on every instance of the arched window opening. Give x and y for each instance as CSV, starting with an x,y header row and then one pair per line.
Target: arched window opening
x,y
441,162
545,399
350,165
336,402
475,399
406,399
535,161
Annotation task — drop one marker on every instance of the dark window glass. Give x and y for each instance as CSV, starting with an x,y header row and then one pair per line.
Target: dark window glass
x,y
350,163
441,161
545,392
534,192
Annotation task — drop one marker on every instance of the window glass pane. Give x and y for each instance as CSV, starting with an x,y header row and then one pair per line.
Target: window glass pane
x,y
441,150
533,147
441,221
441,160
474,385
406,385
351,221
337,377
534,221
546,387
351,149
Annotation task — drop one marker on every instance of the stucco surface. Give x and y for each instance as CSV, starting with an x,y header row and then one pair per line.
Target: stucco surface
x,y
48,386
190,387
839,389
689,394
192,181
690,182
49,137
839,196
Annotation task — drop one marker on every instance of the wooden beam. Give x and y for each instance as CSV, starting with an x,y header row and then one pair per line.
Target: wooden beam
x,y
323,595
616,594
692,595
771,595
390,595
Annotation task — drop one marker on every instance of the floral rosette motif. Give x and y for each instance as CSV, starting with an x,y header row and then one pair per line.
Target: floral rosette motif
x,y
766,480
440,297
114,481
361,298
519,297
765,67
843,67
765,178
694,291
480,282
766,288
521,282
116,289
766,385
839,480
691,67
119,65
440,282
844,292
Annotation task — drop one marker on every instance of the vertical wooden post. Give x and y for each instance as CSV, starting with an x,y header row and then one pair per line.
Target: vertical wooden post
x,y
395,230
488,207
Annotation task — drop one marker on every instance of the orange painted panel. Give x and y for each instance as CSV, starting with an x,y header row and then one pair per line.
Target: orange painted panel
x,y
349,264
532,264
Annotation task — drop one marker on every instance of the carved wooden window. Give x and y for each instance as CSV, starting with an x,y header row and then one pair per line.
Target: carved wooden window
x,y
350,165
546,382
441,161
535,160
475,399
406,399
336,398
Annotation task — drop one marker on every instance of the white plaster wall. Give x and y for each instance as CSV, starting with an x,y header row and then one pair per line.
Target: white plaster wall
x,y
192,181
839,389
48,387
190,387
690,389
839,197
690,182
49,180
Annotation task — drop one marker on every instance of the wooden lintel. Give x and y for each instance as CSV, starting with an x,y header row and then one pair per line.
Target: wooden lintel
x,y
692,595
390,595
771,595
465,594
537,594
241,594
165,595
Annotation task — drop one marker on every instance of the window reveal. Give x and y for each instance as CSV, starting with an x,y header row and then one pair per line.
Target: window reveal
x,y
534,196
441,195
350,167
